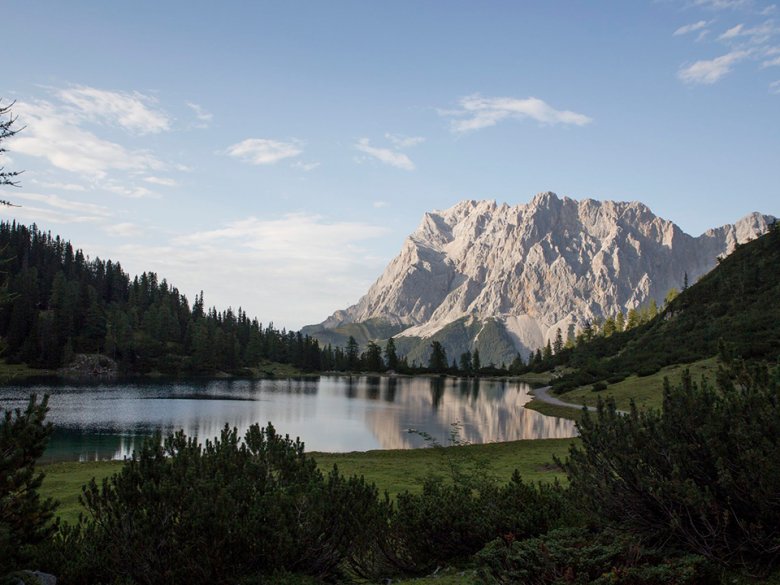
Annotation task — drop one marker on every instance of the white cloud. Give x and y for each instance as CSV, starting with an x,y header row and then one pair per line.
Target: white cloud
x,y
124,230
130,191
306,167
60,186
402,142
273,264
721,4
201,114
64,204
390,157
380,204
163,181
693,27
263,151
774,87
709,71
55,135
480,112
756,35
132,111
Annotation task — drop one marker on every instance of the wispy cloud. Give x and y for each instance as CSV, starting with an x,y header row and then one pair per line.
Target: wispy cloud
x,y
722,4
269,262
693,27
132,111
708,71
124,230
755,35
774,87
390,157
55,135
60,186
65,204
204,118
402,142
162,181
478,112
264,151
380,204
305,167
54,209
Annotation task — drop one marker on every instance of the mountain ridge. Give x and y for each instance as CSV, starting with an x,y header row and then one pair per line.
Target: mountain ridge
x,y
536,267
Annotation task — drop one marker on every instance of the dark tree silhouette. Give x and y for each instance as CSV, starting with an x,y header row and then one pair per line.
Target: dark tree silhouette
x,y
7,130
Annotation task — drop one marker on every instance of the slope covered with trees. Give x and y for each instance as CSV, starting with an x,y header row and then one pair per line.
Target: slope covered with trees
x,y
732,312
62,303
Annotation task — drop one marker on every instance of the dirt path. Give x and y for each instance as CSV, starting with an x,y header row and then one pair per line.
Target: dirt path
x,y
543,394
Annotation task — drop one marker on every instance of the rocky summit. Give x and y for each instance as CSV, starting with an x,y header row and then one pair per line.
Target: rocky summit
x,y
504,279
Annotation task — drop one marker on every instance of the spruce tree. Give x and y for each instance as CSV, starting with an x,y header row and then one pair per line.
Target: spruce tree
x,y
391,358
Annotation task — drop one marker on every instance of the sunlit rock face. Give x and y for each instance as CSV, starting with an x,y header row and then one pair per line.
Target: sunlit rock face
x,y
537,267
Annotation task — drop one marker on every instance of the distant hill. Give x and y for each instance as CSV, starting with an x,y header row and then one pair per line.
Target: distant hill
x,y
503,279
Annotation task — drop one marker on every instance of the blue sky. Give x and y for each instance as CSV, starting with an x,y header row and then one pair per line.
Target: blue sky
x,y
275,155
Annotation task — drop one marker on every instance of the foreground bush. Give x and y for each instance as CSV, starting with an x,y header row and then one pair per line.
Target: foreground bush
x,y
702,474
577,555
229,511
25,519
450,521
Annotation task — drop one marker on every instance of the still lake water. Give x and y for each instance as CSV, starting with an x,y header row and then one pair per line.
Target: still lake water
x,y
328,413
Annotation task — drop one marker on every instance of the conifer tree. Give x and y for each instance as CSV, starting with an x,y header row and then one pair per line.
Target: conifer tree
x,y
391,358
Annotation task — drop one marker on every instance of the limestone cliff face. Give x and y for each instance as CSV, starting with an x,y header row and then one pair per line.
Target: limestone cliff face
x,y
537,267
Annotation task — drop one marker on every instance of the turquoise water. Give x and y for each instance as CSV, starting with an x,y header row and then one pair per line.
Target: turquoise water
x,y
328,413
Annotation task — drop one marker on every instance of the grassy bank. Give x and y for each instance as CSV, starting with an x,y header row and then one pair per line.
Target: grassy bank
x,y
646,391
392,470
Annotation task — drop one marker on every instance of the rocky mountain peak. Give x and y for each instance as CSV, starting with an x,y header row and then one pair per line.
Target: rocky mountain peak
x,y
535,267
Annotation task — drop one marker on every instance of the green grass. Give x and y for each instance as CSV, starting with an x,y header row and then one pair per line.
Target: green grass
x,y
394,471
63,482
571,413
12,372
647,391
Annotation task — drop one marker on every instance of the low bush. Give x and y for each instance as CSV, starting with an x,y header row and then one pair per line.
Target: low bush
x,y
701,474
449,522
598,387
231,510
579,555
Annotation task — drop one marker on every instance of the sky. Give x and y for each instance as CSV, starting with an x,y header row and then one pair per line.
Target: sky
x,y
276,154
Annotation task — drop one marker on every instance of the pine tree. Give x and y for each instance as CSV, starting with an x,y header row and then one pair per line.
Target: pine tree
x,y
465,363
476,365
391,358
438,359
25,520
352,354
558,345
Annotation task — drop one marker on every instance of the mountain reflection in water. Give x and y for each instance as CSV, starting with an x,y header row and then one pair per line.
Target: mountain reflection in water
x,y
329,413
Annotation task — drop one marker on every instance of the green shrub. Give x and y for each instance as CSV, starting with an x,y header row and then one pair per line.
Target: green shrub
x,y
578,555
701,474
451,521
180,512
25,520
647,370
598,387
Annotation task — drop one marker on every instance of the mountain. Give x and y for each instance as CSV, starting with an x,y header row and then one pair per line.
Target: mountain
x,y
503,278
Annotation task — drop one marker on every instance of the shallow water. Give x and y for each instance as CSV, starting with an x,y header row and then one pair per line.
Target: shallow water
x,y
329,413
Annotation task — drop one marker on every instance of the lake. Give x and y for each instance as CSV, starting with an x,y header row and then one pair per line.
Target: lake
x,y
329,413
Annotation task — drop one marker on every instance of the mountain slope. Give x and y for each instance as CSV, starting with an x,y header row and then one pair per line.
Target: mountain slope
x,y
529,269
733,311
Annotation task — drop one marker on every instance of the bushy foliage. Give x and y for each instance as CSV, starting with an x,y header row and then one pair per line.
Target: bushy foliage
x,y
25,519
449,521
580,556
702,473
181,512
